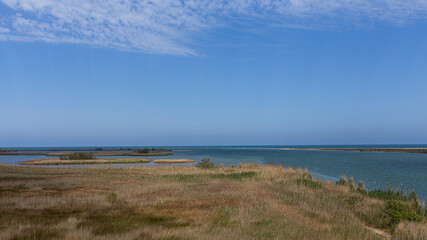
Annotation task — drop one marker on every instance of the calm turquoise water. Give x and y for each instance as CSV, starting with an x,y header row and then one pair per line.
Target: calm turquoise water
x,y
407,171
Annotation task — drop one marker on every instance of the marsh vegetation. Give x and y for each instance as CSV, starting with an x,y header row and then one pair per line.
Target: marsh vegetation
x,y
244,202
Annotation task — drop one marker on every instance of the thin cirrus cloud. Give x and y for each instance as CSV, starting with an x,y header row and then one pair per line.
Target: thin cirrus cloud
x,y
169,26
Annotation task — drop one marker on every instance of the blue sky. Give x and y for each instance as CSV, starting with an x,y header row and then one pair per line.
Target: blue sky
x,y
76,73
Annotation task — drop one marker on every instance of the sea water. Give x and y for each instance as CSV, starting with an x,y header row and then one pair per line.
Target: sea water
x,y
404,171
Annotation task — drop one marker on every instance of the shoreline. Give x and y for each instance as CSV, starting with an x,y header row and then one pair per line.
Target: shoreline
x,y
174,161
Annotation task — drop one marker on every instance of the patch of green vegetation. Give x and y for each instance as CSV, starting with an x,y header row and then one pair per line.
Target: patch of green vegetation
x,y
76,156
397,207
309,183
198,177
388,194
112,197
205,163
117,222
233,176
397,211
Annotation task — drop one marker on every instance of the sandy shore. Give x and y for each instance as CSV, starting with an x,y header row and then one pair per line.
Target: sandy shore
x,y
174,161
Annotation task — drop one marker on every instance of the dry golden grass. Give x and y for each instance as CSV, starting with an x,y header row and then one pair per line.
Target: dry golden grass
x,y
174,161
110,153
57,161
247,202
411,230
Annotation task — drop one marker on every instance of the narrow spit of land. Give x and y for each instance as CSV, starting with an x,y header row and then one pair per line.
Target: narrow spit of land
x,y
81,150
115,154
174,161
244,202
57,161
392,150
59,152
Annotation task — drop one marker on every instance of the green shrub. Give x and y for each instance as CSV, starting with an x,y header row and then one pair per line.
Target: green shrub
x,y
205,163
77,156
388,194
397,211
112,197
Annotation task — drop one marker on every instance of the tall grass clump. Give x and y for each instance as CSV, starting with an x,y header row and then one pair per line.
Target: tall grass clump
x,y
77,156
343,180
205,163
351,183
361,187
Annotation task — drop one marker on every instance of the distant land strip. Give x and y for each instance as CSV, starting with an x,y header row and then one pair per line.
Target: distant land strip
x,y
392,150
57,161
103,153
116,154
79,150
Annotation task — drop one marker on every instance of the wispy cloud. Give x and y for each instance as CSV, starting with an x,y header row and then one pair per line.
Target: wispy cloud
x,y
168,26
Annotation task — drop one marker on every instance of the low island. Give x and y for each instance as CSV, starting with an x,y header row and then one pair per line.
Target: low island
x,y
390,150
57,161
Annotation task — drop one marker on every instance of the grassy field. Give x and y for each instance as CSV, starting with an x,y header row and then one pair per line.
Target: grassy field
x,y
245,202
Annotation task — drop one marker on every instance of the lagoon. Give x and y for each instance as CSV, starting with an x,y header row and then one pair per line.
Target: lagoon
x,y
405,171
